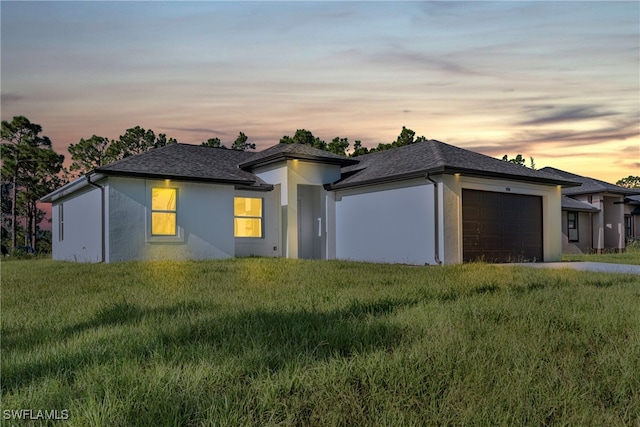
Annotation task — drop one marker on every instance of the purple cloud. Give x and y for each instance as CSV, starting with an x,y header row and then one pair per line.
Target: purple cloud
x,y
570,114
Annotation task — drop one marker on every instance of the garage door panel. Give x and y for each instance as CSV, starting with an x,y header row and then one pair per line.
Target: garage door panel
x,y
501,227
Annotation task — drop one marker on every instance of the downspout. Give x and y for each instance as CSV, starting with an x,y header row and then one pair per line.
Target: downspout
x,y
102,216
591,226
436,218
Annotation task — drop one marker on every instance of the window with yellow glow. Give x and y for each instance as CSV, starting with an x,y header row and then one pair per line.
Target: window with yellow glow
x,y
163,211
247,212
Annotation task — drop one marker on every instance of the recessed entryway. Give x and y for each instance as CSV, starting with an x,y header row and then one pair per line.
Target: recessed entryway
x,y
310,222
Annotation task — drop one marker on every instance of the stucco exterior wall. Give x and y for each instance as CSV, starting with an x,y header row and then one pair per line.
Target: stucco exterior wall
x,y
452,212
597,223
613,222
608,224
204,220
391,223
276,174
81,235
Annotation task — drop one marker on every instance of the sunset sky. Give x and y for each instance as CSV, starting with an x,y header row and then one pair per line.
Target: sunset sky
x,y
558,81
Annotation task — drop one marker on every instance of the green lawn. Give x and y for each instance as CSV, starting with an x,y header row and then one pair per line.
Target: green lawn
x,y
630,256
285,342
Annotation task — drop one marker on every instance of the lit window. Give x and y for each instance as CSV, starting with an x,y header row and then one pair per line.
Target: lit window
x,y
247,212
163,211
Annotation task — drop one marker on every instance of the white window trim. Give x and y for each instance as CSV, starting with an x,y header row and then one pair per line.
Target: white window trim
x,y
262,230
152,238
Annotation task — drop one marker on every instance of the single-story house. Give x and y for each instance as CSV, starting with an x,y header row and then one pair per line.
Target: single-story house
x,y
597,215
632,217
425,203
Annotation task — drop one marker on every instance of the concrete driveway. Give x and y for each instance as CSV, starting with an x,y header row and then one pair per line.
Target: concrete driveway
x,y
600,267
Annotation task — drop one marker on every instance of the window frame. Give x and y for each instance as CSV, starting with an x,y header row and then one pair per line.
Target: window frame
x,y
163,238
628,227
575,227
260,218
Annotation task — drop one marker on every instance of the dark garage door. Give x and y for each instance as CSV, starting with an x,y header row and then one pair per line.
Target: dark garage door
x,y
501,227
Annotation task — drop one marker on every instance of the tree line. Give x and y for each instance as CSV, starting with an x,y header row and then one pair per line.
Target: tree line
x,y
31,168
340,145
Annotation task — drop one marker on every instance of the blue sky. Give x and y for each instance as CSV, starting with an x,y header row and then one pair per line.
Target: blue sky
x,y
558,81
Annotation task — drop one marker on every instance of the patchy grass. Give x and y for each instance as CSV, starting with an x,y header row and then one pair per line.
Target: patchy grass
x,y
630,256
286,342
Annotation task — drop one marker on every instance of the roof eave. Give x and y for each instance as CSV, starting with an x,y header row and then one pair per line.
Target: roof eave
x,y
133,174
604,191
572,209
522,178
452,171
374,181
255,187
578,207
71,187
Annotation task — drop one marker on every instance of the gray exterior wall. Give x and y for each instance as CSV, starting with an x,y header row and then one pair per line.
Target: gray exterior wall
x,y
269,244
80,239
613,222
204,219
608,224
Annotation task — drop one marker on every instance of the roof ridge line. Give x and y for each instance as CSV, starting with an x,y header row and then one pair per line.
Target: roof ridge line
x,y
437,149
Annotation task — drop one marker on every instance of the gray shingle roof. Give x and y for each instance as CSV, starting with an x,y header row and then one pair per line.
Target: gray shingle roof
x,y
436,157
589,185
294,151
220,165
209,164
190,162
569,204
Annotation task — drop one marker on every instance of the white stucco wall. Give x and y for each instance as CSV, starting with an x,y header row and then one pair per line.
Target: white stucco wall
x,y
204,219
81,238
275,174
391,223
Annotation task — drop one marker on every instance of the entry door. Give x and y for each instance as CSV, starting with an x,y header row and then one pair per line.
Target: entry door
x,y
310,222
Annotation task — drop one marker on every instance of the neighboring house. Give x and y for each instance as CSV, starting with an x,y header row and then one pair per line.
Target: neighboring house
x,y
632,217
425,203
597,215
